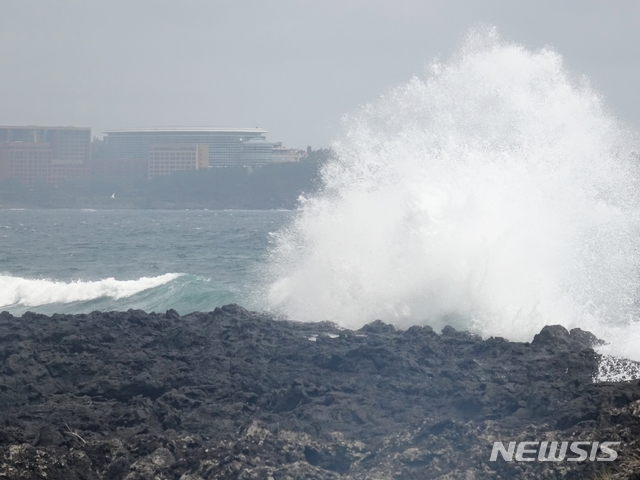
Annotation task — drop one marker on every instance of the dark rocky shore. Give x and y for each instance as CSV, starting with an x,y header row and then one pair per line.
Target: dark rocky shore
x,y
233,394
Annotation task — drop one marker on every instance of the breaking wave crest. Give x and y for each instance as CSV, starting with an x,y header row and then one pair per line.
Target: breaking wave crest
x,y
35,292
495,194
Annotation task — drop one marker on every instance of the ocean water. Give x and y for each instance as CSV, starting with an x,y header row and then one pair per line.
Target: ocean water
x,y
75,261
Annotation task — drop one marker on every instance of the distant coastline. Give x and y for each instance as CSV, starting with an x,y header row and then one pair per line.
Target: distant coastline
x,y
267,187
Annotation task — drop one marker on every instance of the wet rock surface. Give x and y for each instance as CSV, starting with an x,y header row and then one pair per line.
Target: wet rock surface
x,y
234,394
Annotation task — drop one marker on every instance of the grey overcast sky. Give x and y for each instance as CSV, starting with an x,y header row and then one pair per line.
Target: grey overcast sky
x,y
290,66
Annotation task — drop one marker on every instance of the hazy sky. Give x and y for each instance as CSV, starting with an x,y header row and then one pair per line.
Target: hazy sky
x,y
290,66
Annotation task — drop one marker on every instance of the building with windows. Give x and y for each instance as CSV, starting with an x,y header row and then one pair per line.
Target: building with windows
x,y
281,154
166,159
25,162
47,154
256,151
227,146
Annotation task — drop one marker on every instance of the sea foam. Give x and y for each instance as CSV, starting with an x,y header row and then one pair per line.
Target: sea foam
x,y
496,194
34,292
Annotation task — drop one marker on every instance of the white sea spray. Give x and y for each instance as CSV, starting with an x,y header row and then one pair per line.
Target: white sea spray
x,y
496,193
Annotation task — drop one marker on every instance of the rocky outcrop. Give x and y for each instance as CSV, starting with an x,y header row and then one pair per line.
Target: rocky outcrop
x,y
235,394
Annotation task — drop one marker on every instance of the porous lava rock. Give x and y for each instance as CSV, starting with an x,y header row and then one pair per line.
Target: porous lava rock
x,y
233,394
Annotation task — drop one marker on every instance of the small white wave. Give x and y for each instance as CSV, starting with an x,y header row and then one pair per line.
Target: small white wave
x,y
617,369
31,293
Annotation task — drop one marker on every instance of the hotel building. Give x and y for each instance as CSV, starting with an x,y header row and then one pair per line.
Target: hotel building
x,y
46,154
166,159
281,154
226,146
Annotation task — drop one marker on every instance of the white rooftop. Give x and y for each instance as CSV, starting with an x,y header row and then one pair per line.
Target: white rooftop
x,y
188,130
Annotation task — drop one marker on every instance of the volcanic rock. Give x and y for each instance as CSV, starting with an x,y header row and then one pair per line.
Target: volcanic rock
x,y
233,394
